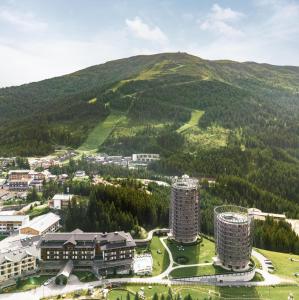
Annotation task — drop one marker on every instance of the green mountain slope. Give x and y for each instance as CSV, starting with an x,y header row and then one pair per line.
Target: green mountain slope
x,y
235,121
244,104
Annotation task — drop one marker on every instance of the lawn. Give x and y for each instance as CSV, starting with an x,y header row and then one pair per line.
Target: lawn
x,y
208,292
282,264
2,237
194,254
193,122
28,284
197,271
160,256
35,212
85,276
99,134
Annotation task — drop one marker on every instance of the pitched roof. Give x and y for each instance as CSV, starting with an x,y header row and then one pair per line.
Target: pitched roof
x,y
43,222
14,218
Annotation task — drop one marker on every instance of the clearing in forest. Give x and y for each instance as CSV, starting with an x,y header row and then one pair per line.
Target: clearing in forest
x,y
193,122
99,134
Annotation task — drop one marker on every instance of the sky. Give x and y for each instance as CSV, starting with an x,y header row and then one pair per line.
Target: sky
x,y
40,39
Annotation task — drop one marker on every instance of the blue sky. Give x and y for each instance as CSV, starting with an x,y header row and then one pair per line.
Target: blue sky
x,y
45,38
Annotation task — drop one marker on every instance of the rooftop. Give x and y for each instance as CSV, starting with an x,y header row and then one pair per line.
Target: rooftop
x,y
115,238
43,222
185,182
13,218
232,217
62,197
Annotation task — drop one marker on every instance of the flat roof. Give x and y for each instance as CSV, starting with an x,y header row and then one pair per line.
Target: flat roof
x,y
62,197
18,171
232,217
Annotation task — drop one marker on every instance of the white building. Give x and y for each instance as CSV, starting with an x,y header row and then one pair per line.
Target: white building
x,y
257,214
41,225
143,264
18,256
10,223
145,157
80,174
60,201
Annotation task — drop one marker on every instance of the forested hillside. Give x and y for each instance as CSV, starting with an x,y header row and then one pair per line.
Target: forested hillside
x,y
238,122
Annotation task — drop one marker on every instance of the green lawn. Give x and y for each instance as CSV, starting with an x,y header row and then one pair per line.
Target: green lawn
x,y
99,134
193,122
160,256
283,265
28,284
204,292
2,237
200,253
85,276
35,212
197,271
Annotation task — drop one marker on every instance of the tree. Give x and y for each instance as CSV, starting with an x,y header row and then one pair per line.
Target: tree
x,y
128,296
33,195
155,297
18,282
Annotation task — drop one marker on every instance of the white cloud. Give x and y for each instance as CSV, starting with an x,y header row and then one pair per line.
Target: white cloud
x,y
143,31
21,21
222,21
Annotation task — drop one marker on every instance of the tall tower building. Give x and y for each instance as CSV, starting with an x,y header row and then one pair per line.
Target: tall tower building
x,y
184,210
233,230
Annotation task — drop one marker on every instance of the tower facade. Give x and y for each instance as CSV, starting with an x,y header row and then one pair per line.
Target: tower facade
x,y
233,230
184,210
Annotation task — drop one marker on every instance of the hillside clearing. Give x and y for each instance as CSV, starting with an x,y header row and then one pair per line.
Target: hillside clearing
x,y
193,122
99,134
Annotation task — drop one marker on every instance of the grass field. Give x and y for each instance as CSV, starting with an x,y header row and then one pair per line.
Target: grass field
x,y
193,122
283,265
28,284
200,253
99,134
85,276
160,256
208,292
197,271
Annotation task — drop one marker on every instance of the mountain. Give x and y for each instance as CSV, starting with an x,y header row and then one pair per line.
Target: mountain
x,y
236,121
156,89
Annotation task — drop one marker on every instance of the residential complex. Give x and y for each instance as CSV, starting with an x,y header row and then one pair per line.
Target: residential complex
x,y
60,201
134,161
22,180
10,223
233,228
184,210
19,180
41,225
96,251
18,257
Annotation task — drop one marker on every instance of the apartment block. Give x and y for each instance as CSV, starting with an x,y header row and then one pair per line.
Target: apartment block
x,y
11,223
